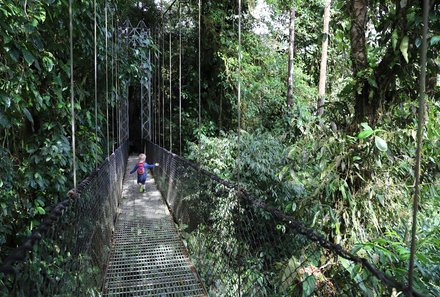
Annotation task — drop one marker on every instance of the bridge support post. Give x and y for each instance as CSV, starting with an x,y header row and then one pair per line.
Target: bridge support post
x,y
140,37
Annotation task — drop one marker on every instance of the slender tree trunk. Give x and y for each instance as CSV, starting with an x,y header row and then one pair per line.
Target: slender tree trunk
x,y
323,70
290,62
358,11
420,126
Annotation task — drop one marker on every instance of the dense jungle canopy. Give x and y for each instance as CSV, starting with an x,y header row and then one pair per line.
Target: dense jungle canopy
x,y
329,102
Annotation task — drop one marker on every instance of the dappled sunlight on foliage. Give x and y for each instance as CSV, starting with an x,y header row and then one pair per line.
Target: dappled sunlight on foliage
x,y
345,168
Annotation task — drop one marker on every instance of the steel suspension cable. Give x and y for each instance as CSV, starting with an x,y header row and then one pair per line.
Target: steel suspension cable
x,y
117,101
199,136
106,80
163,84
239,130
171,95
118,89
180,79
150,103
158,91
159,80
96,83
420,126
142,87
72,93
239,93
112,86
161,87
200,83
127,90
157,58
154,88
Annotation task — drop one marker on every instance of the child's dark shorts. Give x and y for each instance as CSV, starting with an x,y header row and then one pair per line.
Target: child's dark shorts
x,y
142,178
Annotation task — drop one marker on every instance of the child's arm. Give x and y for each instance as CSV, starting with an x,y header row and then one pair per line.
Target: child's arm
x,y
149,166
134,169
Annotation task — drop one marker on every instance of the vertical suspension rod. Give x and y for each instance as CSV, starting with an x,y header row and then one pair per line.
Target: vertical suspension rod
x,y
180,79
150,104
159,82
154,88
171,95
112,86
95,59
106,80
72,93
163,81
200,81
118,103
239,132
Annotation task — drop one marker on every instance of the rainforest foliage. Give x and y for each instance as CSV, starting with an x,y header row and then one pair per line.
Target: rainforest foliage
x,y
348,171
35,109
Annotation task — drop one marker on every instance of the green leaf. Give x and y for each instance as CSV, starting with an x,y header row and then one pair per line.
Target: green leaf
x,y
4,122
435,40
404,48
372,82
309,285
380,144
48,63
365,126
288,277
28,115
14,54
343,192
347,265
381,199
418,42
39,202
40,210
394,38
365,133
28,57
29,28
315,218
293,206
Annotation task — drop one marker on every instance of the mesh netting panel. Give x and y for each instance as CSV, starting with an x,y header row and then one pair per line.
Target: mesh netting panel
x,y
67,254
240,246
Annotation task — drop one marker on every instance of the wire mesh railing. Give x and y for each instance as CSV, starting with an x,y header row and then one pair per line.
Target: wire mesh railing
x,y
67,254
242,247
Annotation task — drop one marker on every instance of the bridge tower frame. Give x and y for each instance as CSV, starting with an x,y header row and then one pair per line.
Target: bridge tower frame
x,y
140,37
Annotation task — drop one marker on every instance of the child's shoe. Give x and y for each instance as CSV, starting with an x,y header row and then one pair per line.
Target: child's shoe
x,y
141,189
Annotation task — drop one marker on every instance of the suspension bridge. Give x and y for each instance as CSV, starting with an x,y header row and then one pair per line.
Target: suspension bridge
x,y
190,233
108,237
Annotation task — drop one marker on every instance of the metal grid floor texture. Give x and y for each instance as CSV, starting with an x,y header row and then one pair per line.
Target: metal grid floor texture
x,y
147,256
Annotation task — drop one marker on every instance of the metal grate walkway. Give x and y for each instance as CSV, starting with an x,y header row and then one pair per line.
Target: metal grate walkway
x,y
147,257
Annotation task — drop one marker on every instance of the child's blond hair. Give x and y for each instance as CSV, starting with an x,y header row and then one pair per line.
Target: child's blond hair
x,y
142,157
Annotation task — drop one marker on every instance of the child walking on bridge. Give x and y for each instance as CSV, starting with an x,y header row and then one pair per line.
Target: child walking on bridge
x,y
141,167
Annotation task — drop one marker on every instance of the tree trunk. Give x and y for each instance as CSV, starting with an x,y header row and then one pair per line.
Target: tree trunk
x,y
290,62
323,69
358,11
420,127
